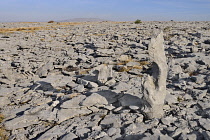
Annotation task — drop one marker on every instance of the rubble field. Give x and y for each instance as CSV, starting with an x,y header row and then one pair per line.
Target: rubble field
x,y
85,81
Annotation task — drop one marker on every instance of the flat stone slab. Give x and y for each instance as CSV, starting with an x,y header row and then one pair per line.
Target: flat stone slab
x,y
20,122
65,114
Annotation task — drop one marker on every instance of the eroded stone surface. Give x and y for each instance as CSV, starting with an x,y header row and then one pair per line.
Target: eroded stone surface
x,y
83,81
154,86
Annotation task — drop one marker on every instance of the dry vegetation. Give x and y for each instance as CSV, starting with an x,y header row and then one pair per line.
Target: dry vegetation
x,y
3,135
24,29
50,26
32,29
70,23
128,68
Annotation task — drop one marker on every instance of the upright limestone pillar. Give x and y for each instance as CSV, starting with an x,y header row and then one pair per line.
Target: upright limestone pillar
x,y
154,85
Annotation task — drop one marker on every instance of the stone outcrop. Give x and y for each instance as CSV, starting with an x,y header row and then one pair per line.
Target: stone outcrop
x,y
154,85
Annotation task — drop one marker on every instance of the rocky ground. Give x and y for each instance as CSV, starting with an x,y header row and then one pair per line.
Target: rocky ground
x,y
84,81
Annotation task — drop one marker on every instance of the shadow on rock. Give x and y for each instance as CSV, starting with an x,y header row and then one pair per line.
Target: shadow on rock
x,y
120,99
132,137
41,85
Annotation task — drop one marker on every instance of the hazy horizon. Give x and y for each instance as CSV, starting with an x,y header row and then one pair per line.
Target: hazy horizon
x,y
115,10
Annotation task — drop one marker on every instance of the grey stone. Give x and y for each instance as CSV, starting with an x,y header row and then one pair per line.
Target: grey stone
x,y
205,60
139,119
110,82
156,131
134,107
35,110
187,97
71,84
34,130
199,94
92,85
121,86
53,133
207,112
74,102
58,81
104,72
206,135
55,103
41,85
205,123
174,72
69,136
176,133
106,138
18,136
130,100
124,58
179,131
94,99
48,115
10,112
67,73
199,79
111,131
43,70
65,114
101,135
118,109
191,68
112,120
110,96
135,137
132,63
135,71
109,107
96,128
123,77
194,49
165,137
171,99
82,133
188,137
82,81
204,105
6,91
4,101
93,109
20,122
193,124
168,120
154,87
79,88
105,52
41,100
135,128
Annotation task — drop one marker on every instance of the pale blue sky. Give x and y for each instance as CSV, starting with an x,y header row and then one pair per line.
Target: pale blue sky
x,y
118,10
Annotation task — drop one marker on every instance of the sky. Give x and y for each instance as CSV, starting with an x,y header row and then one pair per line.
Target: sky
x,y
116,10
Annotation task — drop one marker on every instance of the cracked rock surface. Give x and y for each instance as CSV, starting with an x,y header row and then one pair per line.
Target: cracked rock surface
x,y
84,81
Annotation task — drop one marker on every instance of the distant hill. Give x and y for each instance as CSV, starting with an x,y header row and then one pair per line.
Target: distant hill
x,y
83,20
